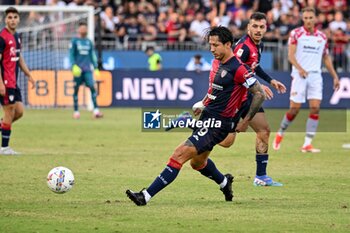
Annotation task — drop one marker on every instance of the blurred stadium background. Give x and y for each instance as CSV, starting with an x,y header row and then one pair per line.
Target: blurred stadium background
x,y
110,155
122,30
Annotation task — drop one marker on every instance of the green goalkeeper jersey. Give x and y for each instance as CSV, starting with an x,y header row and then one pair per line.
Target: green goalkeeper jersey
x,y
81,53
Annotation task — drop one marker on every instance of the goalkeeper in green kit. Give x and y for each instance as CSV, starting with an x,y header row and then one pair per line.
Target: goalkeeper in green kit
x,y
84,62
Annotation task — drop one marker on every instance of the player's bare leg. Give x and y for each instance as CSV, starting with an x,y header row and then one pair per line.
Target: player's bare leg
x,y
288,118
9,115
19,110
311,126
262,129
228,141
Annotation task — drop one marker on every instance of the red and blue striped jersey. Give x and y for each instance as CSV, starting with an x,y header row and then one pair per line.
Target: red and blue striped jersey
x,y
248,51
228,84
10,49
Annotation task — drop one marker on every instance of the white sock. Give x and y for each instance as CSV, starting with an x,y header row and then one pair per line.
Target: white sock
x,y
76,112
223,183
311,128
147,196
284,125
96,110
307,141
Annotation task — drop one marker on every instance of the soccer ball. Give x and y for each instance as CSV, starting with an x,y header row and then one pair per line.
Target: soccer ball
x,y
60,180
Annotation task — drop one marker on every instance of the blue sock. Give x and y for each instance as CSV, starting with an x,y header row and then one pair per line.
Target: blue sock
x,y
75,97
212,172
5,134
261,164
167,176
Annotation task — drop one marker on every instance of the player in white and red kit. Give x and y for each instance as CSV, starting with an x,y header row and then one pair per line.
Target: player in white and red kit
x,y
307,48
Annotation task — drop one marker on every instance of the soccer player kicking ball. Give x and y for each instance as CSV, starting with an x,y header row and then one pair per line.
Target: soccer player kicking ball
x,y
230,83
307,48
84,61
10,94
249,49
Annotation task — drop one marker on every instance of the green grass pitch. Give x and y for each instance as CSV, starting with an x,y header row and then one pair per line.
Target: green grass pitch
x,y
110,155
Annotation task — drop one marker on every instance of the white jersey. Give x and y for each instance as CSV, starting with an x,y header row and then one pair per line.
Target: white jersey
x,y
310,48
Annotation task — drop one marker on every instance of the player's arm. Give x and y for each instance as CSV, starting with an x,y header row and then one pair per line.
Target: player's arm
x,y
280,87
199,106
76,70
255,88
267,90
26,71
292,48
159,62
2,85
72,54
258,99
262,74
93,59
329,65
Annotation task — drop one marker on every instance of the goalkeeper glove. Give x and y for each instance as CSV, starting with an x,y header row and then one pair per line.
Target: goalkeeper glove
x,y
76,70
97,72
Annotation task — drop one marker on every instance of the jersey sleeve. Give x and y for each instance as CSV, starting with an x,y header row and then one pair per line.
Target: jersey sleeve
x,y
262,74
2,45
245,76
326,49
158,58
242,51
293,38
93,56
72,51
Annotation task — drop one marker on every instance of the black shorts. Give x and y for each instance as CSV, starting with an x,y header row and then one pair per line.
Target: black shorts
x,y
205,138
12,96
245,107
244,110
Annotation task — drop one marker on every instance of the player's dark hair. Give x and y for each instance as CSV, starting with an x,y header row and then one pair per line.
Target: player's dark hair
x,y
198,56
82,23
223,33
149,48
258,16
11,10
308,9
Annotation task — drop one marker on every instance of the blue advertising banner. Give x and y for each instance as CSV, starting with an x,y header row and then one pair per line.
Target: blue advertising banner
x,y
178,88
170,88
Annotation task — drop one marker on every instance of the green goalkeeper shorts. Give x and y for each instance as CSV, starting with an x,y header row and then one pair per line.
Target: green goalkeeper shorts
x,y
85,77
